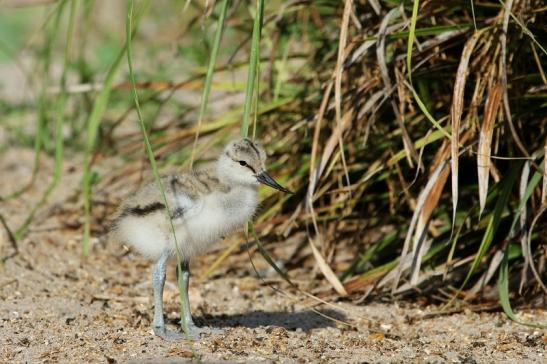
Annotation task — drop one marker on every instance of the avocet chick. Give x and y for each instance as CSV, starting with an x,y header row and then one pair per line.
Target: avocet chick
x,y
204,206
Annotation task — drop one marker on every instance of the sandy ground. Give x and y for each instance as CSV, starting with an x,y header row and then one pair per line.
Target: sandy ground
x,y
55,307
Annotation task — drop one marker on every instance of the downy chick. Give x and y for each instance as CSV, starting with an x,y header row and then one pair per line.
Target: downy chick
x,y
203,205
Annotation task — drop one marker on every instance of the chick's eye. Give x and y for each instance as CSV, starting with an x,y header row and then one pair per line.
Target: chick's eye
x,y
242,163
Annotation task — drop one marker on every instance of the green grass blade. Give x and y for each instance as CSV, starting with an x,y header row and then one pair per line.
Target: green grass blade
x,y
210,71
473,13
153,164
256,99
268,257
525,30
410,45
93,123
492,195
534,181
495,218
429,117
253,66
411,36
439,29
369,253
59,124
503,289
42,103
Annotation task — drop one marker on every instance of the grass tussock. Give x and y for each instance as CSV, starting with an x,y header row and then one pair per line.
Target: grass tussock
x,y
413,133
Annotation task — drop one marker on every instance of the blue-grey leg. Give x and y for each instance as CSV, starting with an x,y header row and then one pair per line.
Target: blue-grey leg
x,y
193,331
158,282
187,314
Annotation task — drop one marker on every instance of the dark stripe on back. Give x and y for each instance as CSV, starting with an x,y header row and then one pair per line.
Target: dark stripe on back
x,y
143,211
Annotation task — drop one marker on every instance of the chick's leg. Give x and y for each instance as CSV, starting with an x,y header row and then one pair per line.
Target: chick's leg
x,y
194,332
158,282
187,314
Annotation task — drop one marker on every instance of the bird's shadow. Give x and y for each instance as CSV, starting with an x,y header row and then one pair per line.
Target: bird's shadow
x,y
304,320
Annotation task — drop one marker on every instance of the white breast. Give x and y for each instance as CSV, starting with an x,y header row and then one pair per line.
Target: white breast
x,y
214,216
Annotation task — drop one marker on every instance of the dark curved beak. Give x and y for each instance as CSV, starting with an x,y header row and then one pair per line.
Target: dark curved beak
x,y
264,178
